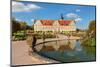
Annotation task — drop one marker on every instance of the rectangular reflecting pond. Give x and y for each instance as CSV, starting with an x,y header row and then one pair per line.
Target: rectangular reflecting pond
x,y
67,51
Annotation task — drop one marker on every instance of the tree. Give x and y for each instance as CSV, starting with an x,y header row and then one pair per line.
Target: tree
x,y
29,27
92,28
77,30
23,25
89,39
18,25
15,25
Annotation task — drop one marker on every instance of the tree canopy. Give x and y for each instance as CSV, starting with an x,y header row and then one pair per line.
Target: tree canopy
x,y
92,28
19,25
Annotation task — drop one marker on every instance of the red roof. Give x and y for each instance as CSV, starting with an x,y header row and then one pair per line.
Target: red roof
x,y
50,22
64,22
47,22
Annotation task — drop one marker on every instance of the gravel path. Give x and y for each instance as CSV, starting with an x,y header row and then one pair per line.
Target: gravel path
x,y
20,55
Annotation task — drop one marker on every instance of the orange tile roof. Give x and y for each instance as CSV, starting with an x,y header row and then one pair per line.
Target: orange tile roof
x,y
50,22
64,22
47,22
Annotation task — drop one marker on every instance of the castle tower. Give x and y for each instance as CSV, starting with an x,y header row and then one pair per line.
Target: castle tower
x,y
62,18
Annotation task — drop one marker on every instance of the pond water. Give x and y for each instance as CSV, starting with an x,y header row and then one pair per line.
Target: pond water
x,y
67,51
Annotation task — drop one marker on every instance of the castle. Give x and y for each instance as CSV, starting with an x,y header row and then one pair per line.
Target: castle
x,y
55,25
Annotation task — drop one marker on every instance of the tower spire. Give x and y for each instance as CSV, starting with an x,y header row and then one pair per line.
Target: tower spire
x,y
62,18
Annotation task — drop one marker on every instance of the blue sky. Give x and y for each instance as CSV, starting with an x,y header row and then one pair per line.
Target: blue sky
x,y
26,11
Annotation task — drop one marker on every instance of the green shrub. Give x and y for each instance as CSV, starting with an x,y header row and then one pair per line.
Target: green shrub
x,y
89,42
19,35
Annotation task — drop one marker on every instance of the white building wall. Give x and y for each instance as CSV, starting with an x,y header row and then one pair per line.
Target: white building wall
x,y
56,27
38,26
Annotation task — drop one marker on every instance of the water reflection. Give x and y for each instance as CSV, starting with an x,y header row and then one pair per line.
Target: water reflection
x,y
66,51
57,46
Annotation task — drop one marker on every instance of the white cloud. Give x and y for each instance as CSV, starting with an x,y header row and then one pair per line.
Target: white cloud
x,y
32,20
78,10
78,19
20,7
17,19
74,16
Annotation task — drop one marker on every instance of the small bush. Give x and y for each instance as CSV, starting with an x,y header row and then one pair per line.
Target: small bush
x,y
19,35
89,42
